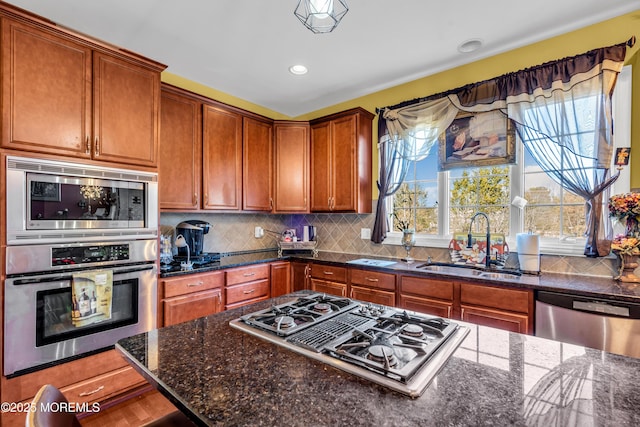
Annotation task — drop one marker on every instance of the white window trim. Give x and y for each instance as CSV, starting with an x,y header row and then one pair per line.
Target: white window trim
x,y
568,247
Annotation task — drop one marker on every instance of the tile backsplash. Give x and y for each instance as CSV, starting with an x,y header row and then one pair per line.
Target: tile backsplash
x,y
341,233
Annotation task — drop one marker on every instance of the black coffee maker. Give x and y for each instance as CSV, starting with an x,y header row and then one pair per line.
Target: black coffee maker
x,y
193,232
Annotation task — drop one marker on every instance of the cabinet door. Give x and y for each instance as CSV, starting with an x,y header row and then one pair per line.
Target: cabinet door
x,y
180,169
333,288
320,167
344,177
191,306
257,165
280,278
222,159
291,182
126,111
513,322
46,92
299,276
426,305
373,295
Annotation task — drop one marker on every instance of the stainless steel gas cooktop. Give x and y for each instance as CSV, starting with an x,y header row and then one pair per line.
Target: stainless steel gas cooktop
x,y
399,349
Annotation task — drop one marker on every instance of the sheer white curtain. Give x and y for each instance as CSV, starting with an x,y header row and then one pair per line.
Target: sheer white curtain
x,y
568,130
406,134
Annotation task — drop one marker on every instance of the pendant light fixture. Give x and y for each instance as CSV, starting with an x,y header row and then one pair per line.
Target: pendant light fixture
x,y
321,16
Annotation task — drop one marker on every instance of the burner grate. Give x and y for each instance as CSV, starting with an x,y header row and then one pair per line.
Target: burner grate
x,y
316,337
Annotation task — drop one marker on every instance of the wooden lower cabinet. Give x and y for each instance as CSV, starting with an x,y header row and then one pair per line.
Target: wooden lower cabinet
x,y
333,288
329,279
300,272
429,296
189,297
191,306
373,286
280,278
246,285
500,319
104,378
497,306
426,305
375,296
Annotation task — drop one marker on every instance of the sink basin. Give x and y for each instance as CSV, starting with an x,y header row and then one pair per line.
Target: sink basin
x,y
452,269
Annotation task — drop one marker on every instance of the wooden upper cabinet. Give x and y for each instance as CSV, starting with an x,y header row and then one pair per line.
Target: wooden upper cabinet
x,y
341,162
257,165
180,169
46,92
291,180
65,95
222,158
126,111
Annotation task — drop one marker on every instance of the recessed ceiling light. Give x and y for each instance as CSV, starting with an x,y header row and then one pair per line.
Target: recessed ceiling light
x,y
469,45
298,70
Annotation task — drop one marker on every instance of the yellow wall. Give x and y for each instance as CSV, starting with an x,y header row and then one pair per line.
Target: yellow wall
x,y
606,33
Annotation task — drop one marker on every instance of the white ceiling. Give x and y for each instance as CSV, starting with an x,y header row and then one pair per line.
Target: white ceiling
x,y
245,47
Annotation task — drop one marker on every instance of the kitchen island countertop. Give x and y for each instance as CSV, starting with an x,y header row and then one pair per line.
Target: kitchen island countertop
x,y
222,376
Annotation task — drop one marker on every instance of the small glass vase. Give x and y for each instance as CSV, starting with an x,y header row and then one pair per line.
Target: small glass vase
x,y
408,242
628,265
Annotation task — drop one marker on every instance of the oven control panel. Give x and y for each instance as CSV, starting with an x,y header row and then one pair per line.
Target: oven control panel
x,y
75,255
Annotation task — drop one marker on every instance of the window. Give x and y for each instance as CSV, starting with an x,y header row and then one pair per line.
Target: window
x,y
438,204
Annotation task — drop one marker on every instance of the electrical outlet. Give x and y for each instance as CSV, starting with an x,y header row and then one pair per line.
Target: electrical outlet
x,y
258,232
365,233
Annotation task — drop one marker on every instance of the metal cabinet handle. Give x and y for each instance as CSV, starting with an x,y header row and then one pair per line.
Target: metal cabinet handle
x,y
351,294
328,273
249,274
449,312
195,199
250,291
270,202
371,280
87,148
89,393
200,283
462,313
97,147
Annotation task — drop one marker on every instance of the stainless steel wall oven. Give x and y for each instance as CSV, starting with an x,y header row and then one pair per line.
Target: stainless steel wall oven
x,y
38,327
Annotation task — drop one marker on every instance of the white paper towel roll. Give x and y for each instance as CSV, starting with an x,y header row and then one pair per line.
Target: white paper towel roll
x,y
528,246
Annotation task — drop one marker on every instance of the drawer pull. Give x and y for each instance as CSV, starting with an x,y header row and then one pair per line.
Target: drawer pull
x,y
371,280
191,285
327,273
249,274
449,312
250,291
89,393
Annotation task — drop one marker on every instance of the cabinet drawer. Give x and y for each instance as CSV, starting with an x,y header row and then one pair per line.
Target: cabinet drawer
x,y
247,274
188,307
247,291
105,386
329,272
193,283
518,300
428,306
427,287
373,279
373,295
326,287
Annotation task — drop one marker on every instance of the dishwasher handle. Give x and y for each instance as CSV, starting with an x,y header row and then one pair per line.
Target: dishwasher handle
x,y
599,306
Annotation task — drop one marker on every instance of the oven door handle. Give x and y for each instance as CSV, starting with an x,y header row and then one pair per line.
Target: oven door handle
x,y
68,277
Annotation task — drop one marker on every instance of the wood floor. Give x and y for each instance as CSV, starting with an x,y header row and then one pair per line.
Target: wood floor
x,y
134,412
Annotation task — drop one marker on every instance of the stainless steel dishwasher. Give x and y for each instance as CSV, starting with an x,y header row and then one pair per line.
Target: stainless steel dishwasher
x,y
609,325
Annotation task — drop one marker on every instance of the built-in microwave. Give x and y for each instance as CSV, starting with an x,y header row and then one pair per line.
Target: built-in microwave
x,y
54,201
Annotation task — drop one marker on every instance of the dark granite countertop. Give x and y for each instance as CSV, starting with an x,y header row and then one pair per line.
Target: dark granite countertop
x,y
591,286
224,376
